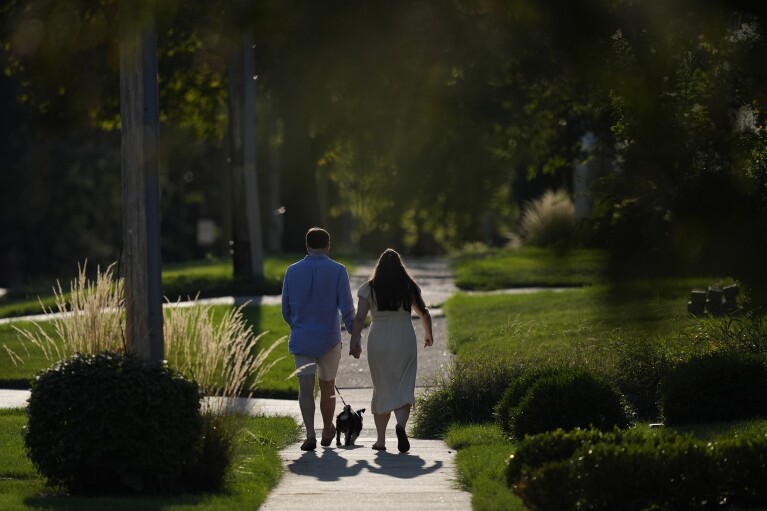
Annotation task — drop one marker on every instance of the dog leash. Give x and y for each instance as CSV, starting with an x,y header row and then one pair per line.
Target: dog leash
x,y
339,395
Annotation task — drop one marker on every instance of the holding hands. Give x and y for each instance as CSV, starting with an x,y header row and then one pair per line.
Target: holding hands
x,y
355,348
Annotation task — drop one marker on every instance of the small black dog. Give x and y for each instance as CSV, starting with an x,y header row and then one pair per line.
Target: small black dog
x,y
350,424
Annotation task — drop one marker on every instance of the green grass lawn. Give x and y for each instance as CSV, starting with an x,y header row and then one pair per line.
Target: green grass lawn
x,y
481,461
527,267
554,324
256,469
16,374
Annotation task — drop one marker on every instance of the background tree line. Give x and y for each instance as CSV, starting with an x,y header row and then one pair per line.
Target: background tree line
x,y
421,125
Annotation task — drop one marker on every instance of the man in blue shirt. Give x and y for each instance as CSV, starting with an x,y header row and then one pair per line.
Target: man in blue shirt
x,y
315,289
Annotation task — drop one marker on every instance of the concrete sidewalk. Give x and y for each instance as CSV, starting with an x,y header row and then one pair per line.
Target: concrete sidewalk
x,y
357,477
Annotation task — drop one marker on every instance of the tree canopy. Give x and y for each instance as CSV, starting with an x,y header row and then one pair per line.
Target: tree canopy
x,y
405,123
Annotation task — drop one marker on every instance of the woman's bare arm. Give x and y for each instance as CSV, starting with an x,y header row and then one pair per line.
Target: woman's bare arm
x,y
425,316
355,345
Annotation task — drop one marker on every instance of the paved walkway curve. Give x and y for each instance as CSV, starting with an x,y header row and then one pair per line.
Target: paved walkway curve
x,y
359,478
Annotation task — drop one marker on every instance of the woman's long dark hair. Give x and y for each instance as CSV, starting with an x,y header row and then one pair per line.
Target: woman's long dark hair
x,y
393,287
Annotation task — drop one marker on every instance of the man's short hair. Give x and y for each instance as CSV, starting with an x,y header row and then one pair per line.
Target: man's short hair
x,y
317,238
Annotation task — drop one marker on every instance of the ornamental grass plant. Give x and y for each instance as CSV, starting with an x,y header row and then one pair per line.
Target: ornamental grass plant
x,y
90,318
222,356
549,221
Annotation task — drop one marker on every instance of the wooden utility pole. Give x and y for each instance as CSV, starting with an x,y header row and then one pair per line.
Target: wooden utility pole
x,y
140,180
247,246
252,202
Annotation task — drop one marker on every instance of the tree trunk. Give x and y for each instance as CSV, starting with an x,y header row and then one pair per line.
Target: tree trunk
x,y
140,182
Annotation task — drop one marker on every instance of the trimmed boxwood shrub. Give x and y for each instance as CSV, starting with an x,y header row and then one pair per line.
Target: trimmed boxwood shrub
x,y
569,399
742,463
667,472
632,470
110,423
516,391
716,387
538,450
638,470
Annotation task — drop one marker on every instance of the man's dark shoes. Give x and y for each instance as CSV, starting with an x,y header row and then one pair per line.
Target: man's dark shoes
x,y
403,444
309,444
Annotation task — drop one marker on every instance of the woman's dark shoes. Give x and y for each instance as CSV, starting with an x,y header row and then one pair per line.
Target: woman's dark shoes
x,y
326,440
403,444
379,447
309,444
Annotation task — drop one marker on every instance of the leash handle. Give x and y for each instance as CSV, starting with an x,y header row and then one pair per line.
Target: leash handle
x,y
339,395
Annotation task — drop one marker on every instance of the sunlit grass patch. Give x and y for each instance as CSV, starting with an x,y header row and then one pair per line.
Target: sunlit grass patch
x,y
528,267
481,462
461,436
555,324
14,462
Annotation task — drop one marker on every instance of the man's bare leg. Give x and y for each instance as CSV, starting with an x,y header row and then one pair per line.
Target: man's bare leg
x,y
328,406
306,402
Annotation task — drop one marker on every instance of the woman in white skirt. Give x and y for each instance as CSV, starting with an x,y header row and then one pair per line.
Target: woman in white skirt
x,y
391,295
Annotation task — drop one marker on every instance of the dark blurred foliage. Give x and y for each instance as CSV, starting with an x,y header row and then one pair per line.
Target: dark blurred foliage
x,y
61,144
404,123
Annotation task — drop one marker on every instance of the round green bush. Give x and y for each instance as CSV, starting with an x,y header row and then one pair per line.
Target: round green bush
x,y
569,399
517,390
715,387
110,423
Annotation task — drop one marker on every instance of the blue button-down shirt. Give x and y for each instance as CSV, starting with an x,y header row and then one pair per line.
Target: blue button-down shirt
x,y
315,289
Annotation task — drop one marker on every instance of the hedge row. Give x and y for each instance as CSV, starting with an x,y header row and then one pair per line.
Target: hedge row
x,y
637,470
525,400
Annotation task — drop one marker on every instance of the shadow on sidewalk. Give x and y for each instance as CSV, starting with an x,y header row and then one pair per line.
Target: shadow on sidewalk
x,y
328,465
403,466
